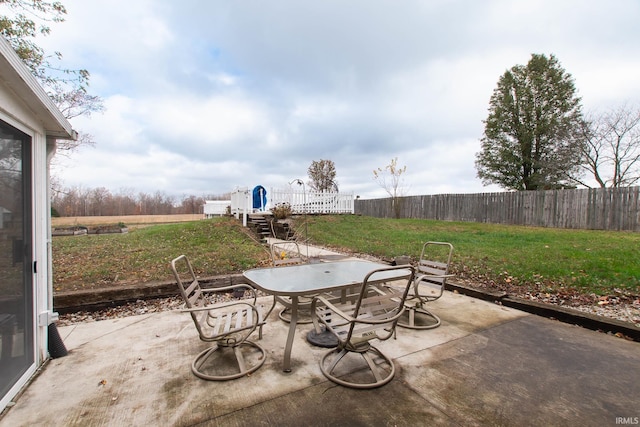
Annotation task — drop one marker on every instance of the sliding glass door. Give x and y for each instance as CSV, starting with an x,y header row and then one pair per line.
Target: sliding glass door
x,y
16,290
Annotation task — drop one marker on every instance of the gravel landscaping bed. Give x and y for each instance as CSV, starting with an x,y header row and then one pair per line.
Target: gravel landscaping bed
x,y
619,308
139,307
623,312
129,309
609,307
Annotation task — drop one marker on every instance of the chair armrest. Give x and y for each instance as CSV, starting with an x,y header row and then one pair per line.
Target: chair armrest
x,y
426,278
348,318
256,319
217,306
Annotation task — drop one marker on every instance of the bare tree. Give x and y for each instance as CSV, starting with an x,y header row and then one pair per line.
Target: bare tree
x,y
191,205
125,201
390,178
155,204
99,199
322,175
611,147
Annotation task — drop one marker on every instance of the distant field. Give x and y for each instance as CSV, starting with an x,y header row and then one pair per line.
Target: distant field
x,y
125,219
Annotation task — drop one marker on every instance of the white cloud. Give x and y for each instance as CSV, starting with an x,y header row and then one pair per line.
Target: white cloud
x,y
205,96
204,121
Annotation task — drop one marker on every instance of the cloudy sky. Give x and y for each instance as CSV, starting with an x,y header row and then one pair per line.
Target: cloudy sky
x,y
205,96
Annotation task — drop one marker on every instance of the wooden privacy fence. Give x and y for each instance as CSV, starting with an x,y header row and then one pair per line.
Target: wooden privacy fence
x,y
592,208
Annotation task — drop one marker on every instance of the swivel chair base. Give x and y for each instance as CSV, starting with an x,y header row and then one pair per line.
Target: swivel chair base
x,y
244,367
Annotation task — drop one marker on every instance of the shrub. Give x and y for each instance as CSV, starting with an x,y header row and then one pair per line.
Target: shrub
x,y
281,211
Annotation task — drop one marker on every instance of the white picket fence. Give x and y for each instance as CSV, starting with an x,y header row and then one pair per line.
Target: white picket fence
x,y
311,202
241,203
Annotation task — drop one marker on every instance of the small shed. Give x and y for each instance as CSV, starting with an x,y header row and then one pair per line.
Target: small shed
x,y
216,208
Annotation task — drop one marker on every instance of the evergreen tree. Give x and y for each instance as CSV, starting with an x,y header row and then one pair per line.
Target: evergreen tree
x,y
530,138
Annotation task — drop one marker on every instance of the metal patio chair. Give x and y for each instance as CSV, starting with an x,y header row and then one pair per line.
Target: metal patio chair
x,y
373,315
432,272
228,325
287,253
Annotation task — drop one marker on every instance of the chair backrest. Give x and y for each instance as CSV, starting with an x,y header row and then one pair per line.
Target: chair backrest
x,y
377,311
189,287
435,260
286,253
187,282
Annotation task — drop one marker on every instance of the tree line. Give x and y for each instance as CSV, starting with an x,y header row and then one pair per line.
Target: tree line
x,y
102,202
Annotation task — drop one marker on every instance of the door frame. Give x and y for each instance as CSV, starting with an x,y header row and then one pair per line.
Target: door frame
x,y
33,173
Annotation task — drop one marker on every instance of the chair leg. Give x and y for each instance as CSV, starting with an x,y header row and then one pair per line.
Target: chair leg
x,y
374,368
337,360
426,319
240,359
273,304
242,367
380,376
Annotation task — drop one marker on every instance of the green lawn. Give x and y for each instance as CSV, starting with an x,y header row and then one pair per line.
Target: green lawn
x,y
542,259
498,256
215,247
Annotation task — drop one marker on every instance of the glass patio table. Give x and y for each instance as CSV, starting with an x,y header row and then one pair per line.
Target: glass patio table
x,y
295,281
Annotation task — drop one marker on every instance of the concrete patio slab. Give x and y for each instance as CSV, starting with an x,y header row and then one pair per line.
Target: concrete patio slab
x,y
486,365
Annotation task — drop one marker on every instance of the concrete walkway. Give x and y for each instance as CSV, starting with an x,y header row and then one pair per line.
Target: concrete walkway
x,y
312,252
486,365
